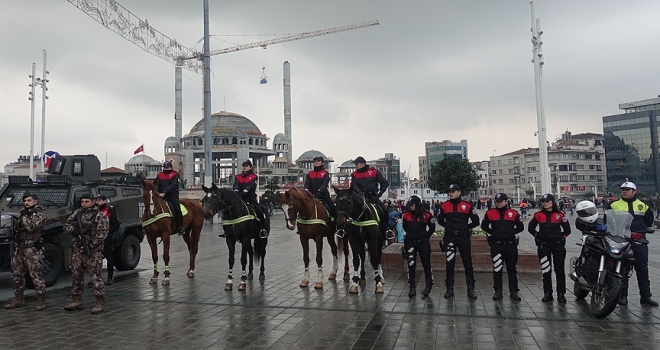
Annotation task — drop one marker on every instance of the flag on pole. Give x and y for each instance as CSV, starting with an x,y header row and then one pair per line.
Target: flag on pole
x,y
140,149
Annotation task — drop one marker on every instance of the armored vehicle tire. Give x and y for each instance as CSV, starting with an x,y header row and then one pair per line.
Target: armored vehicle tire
x,y
52,266
127,256
579,292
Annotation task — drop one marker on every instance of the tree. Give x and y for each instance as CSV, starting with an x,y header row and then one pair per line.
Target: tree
x,y
453,170
272,184
530,193
589,195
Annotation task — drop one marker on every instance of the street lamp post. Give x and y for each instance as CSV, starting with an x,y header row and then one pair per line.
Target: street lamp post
x,y
595,190
533,187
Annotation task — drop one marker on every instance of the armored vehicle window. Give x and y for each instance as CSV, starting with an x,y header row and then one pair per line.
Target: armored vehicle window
x,y
108,192
47,196
78,167
77,193
131,192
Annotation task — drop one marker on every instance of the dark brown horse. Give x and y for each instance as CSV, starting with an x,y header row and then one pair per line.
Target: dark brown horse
x,y
159,223
300,207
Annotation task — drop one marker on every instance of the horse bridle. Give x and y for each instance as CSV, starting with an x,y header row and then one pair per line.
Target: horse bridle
x,y
348,217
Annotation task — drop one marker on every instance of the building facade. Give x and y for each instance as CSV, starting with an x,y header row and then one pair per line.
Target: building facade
x,y
437,150
632,147
481,168
423,167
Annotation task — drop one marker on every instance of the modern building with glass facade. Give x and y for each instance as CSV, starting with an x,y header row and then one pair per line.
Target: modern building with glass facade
x,y
437,150
631,146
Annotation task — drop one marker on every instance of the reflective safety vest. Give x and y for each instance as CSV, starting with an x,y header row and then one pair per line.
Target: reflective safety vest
x,y
637,209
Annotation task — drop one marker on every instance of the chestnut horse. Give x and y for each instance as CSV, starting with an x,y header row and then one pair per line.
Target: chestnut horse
x,y
359,218
160,223
240,225
300,207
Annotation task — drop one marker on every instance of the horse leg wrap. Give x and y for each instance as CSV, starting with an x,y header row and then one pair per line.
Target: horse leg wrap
x,y
243,276
377,276
307,272
167,268
156,267
356,276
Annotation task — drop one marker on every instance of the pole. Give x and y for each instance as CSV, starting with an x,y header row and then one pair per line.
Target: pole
x,y
558,185
537,59
208,151
43,111
534,188
518,188
32,85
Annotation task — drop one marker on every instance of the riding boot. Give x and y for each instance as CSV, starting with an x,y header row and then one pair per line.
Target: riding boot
x,y
41,301
75,304
100,305
19,301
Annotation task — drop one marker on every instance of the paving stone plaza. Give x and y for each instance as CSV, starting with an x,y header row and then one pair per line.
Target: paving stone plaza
x,y
277,314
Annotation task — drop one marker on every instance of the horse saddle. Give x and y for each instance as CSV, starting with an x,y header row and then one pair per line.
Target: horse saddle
x,y
184,210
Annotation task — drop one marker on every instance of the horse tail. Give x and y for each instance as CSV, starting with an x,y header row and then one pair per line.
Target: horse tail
x,y
260,249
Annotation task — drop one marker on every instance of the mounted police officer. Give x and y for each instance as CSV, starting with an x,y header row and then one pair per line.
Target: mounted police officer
x,y
87,225
419,225
317,182
373,185
551,242
245,185
458,217
642,218
28,254
502,224
167,182
111,213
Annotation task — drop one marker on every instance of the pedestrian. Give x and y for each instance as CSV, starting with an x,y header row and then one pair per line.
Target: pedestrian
x,y
551,242
87,225
245,185
28,254
108,246
642,218
489,203
317,181
167,182
502,224
419,225
458,218
373,185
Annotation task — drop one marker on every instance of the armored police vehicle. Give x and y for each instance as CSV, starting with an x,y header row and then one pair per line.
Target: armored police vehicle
x,y
59,190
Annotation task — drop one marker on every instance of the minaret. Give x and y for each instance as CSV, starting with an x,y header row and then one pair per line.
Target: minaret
x,y
287,110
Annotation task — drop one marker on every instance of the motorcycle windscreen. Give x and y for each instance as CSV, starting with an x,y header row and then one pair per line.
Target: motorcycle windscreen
x,y
618,222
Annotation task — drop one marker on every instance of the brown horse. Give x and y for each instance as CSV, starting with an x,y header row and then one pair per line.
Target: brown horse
x,y
300,207
159,223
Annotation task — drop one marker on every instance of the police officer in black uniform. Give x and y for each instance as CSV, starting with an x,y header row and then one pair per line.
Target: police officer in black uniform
x,y
502,224
419,225
454,215
108,248
317,182
551,242
245,185
373,185
167,183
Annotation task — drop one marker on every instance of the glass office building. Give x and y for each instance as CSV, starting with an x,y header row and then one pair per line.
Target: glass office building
x,y
631,146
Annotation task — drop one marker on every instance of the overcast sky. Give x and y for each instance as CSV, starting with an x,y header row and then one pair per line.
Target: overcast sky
x,y
431,71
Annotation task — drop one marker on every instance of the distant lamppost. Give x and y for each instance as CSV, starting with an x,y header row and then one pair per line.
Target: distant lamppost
x,y
595,190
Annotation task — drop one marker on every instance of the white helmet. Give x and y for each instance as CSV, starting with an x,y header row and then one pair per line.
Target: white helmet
x,y
587,211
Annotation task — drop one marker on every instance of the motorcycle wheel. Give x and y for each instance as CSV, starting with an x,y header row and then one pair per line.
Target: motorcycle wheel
x,y
603,303
579,292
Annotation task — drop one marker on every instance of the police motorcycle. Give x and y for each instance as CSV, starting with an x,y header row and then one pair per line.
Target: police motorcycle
x,y
606,257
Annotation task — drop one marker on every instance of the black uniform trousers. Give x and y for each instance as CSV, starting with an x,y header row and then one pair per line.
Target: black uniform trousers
x,y
422,247
325,198
641,265
176,207
504,255
462,244
553,254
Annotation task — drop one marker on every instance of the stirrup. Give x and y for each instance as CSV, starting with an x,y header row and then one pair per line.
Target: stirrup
x,y
263,233
222,235
340,233
389,234
181,231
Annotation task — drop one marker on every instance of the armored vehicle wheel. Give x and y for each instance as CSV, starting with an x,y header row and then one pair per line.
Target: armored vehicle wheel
x,y
52,266
127,256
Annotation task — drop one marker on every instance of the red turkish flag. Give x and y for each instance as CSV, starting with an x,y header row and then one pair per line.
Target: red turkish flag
x,y
140,149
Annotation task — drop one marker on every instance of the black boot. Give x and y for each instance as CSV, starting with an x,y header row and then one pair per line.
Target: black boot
x,y
180,231
514,295
547,297
561,298
412,292
471,293
623,299
497,295
109,281
426,291
648,301
222,235
450,292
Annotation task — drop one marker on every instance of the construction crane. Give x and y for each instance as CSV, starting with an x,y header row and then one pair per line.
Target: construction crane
x,y
120,20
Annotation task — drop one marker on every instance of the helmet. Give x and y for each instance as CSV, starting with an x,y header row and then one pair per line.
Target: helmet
x,y
587,211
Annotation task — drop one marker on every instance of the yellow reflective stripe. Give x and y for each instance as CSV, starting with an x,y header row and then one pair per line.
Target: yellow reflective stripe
x,y
156,218
238,220
311,222
364,223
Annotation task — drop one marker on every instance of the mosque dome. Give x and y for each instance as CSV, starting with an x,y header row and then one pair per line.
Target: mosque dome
x,y
310,155
141,159
171,142
347,164
223,123
280,138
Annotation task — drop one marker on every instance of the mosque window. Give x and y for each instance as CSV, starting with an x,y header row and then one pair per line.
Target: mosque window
x,y
225,141
251,141
234,141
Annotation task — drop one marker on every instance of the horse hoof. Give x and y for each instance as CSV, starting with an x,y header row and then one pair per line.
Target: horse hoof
x,y
191,274
304,284
353,289
250,276
363,282
318,285
379,289
262,277
153,280
347,277
382,280
166,282
332,277
241,287
228,286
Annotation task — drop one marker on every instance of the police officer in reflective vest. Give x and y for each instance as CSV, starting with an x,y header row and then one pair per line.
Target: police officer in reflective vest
x,y
551,242
373,185
245,185
454,216
317,182
419,225
642,218
502,224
